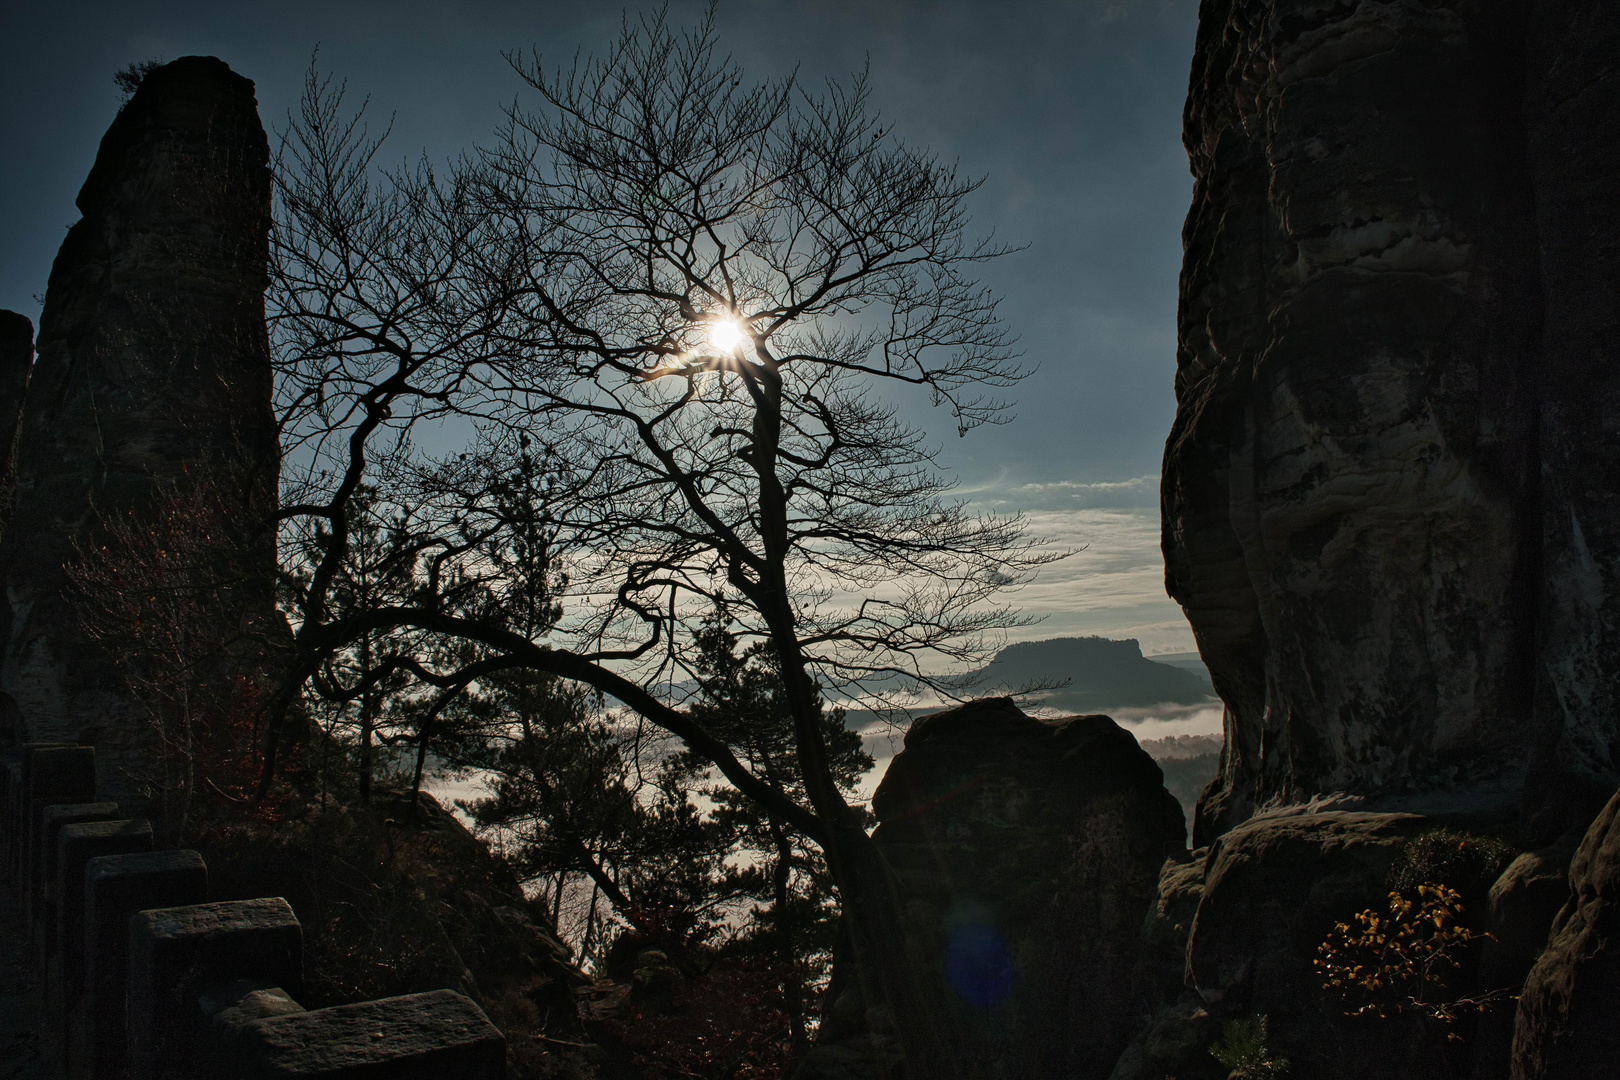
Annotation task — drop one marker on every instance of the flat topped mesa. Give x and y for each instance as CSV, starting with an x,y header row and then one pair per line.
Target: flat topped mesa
x,y
153,366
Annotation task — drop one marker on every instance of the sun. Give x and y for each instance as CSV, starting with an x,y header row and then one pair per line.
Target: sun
x,y
726,335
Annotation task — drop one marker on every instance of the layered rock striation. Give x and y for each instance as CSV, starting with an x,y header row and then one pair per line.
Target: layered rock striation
x,y
153,368
1386,495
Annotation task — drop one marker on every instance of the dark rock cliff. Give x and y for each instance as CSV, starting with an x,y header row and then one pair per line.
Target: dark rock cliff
x,y
1386,496
153,364
1572,99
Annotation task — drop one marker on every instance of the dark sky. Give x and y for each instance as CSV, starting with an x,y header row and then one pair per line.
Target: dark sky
x,y
1072,110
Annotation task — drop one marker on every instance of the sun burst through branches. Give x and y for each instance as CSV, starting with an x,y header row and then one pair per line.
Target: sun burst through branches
x,y
727,335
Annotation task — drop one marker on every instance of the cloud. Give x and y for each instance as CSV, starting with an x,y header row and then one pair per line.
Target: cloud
x,y
1137,493
1112,584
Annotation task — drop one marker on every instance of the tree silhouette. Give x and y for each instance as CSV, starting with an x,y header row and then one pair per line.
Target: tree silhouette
x,y
684,309
743,700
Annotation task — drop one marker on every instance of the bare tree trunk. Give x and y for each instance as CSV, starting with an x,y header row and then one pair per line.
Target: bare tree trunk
x,y
367,722
889,971
421,763
787,951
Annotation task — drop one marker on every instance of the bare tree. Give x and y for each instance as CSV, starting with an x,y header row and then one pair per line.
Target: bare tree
x,y
176,593
679,309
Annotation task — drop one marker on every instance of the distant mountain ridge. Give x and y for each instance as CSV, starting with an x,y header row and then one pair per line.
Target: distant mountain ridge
x,y
1102,674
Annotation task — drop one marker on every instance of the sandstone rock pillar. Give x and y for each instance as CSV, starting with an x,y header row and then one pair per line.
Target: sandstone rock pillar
x,y
1572,96
1351,517
1565,1025
152,365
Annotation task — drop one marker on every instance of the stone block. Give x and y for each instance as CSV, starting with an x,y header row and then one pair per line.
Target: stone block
x,y
52,820
51,775
229,1008
17,845
177,953
75,846
414,1037
115,888
10,807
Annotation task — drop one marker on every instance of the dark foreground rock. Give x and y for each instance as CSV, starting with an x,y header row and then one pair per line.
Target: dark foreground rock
x,y
1273,889
1521,907
152,364
1029,852
1174,1026
1568,1022
1236,929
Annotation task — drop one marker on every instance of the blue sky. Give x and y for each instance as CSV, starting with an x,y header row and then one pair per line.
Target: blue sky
x,y
1071,109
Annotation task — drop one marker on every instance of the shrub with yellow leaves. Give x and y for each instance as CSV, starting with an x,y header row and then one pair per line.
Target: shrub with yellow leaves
x,y
1403,962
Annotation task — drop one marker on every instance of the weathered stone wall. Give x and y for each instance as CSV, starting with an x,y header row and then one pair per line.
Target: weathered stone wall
x,y
142,978
152,365
1387,256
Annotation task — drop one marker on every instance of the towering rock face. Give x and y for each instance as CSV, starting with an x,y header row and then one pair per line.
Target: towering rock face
x,y
1572,96
153,365
1028,853
1394,374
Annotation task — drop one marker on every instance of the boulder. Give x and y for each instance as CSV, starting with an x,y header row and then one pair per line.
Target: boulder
x,y
1273,889
1174,1026
1349,487
1028,853
1161,966
415,1037
153,366
1566,1022
1522,905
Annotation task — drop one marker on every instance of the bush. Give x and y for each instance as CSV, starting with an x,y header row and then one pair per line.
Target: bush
x,y
1466,864
1242,1048
1404,962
